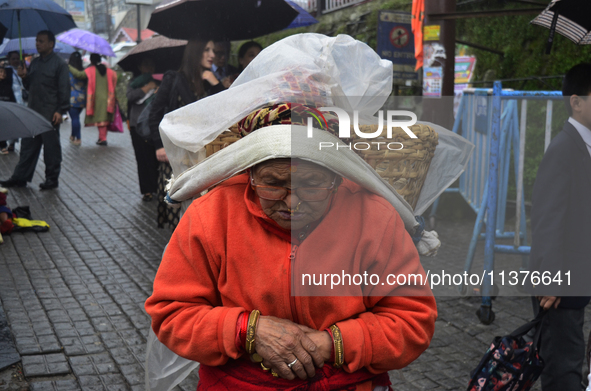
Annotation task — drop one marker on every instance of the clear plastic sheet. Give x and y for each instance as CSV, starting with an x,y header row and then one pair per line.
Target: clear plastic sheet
x,y
164,368
330,71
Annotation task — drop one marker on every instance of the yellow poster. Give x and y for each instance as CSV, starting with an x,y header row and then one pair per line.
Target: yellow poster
x,y
431,33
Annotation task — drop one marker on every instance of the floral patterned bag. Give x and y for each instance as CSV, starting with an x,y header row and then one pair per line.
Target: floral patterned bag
x,y
510,364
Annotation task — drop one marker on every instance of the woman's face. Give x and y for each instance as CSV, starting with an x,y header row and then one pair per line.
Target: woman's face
x,y
208,55
292,212
249,56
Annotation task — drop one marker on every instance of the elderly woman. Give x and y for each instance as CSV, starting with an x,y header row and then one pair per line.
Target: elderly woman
x,y
223,295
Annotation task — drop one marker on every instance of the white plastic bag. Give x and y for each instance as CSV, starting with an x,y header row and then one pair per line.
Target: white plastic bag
x,y
164,368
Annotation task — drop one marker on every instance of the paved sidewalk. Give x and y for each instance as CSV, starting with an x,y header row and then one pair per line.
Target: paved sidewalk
x,y
74,295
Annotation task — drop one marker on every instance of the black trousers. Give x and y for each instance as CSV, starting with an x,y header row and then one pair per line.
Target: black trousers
x,y
30,150
563,349
147,164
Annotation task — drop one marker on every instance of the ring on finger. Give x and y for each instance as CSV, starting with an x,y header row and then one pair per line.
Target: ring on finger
x,y
264,367
291,364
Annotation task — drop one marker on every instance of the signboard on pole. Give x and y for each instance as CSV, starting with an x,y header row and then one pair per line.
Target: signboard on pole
x,y
464,71
77,9
396,43
432,81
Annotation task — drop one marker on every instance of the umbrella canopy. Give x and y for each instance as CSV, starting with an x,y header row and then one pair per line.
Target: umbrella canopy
x,y
25,18
569,18
86,40
303,19
28,46
17,121
167,54
221,19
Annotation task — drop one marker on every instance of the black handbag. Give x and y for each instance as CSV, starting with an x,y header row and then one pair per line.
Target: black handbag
x,y
511,363
142,126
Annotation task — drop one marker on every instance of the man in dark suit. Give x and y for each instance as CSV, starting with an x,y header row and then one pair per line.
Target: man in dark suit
x,y
561,233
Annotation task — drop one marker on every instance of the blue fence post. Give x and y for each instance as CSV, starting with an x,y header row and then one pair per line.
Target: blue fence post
x,y
485,313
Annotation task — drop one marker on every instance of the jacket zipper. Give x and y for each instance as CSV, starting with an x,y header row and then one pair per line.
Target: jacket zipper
x,y
292,255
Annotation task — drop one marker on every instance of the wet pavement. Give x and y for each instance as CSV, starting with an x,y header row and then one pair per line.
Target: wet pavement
x,y
73,297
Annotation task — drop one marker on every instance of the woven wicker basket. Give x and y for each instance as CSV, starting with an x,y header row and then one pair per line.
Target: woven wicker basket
x,y
222,141
404,169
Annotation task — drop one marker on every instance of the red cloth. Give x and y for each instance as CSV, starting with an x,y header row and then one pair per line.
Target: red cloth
x,y
418,15
226,257
246,376
91,90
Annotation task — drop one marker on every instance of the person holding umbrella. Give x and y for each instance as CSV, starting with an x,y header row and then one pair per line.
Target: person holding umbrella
x,y
17,90
49,95
77,98
100,95
193,81
139,92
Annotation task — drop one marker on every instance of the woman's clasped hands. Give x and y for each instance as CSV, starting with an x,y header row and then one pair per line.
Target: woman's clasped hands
x,y
289,349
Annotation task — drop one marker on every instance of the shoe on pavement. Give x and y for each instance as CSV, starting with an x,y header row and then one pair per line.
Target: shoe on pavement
x,y
48,185
102,142
76,142
13,183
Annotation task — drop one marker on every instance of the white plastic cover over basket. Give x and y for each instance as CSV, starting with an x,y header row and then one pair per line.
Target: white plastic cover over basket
x,y
341,71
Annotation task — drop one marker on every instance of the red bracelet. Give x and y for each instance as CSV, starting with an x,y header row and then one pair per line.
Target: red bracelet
x,y
332,353
241,326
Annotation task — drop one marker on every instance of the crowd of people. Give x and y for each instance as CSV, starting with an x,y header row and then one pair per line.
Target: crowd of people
x,y
55,89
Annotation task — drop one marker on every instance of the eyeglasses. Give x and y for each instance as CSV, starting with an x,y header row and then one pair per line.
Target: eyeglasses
x,y
307,194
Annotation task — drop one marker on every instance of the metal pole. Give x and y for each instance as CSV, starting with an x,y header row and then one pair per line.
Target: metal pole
x,y
139,25
519,199
485,314
548,133
20,45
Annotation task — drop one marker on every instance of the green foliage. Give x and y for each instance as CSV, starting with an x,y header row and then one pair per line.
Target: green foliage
x,y
524,46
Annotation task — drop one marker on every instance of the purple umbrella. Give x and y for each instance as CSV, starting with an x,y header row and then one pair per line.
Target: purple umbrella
x,y
86,40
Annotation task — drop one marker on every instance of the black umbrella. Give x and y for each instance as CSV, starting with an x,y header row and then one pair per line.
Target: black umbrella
x,y
3,31
229,20
167,54
18,121
571,18
25,18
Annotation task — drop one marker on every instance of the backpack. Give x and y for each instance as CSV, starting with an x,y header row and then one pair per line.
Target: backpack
x,y
142,126
510,364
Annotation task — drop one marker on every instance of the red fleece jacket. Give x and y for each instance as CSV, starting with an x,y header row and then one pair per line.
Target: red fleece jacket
x,y
223,259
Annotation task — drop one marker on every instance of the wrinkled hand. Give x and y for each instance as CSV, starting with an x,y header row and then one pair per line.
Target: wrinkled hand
x,y
210,77
546,302
161,155
322,340
280,341
57,119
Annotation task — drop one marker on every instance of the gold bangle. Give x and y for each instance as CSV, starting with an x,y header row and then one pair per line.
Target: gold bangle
x,y
253,321
339,351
